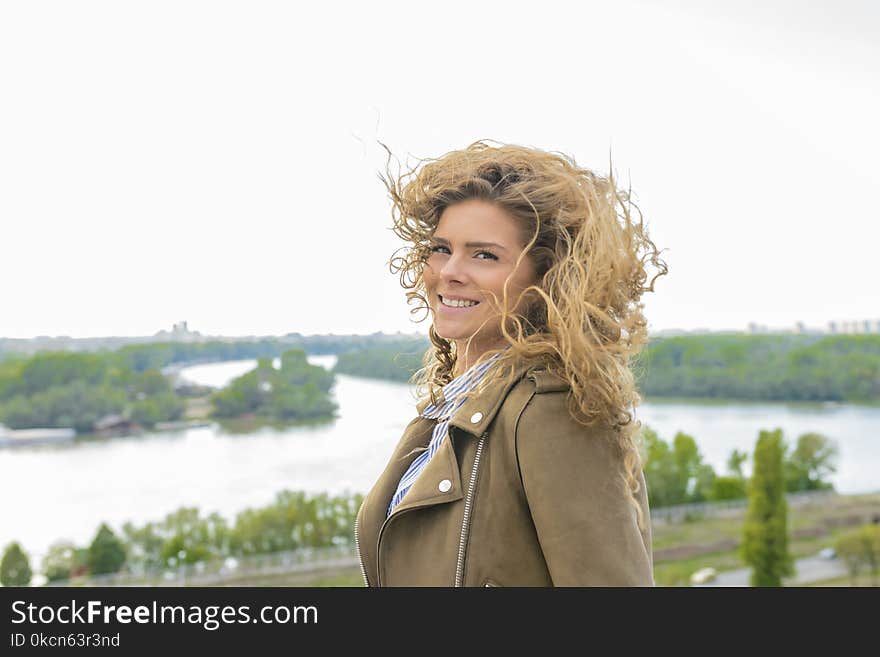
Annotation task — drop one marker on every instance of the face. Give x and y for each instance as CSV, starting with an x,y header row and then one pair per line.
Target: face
x,y
473,251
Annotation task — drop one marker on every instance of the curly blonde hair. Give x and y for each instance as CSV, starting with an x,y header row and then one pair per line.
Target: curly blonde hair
x,y
583,321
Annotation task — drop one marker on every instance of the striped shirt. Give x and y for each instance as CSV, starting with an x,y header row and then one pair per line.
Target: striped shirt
x,y
454,395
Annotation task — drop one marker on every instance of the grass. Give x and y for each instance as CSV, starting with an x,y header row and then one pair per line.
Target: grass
x,y
830,514
347,577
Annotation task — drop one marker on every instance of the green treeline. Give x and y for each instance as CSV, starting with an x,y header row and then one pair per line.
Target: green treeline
x,y
294,520
297,390
393,362
782,367
675,472
763,367
63,389
748,367
76,389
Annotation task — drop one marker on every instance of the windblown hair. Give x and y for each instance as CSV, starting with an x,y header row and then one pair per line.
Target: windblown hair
x,y
583,321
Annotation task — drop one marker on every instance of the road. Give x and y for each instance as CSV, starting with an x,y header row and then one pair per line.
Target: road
x,y
810,569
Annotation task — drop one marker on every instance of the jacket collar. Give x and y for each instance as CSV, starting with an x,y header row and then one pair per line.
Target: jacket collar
x,y
480,408
457,389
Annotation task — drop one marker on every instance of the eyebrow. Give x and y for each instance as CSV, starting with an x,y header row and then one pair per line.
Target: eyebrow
x,y
443,240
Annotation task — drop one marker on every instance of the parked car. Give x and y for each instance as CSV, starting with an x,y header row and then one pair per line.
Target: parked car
x,y
827,553
703,576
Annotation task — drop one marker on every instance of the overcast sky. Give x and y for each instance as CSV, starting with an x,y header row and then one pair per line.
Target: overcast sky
x,y
216,162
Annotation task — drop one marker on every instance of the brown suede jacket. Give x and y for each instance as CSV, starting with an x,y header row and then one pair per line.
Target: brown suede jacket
x,y
518,494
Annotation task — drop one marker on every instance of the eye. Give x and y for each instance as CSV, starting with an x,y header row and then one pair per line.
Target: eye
x,y
491,255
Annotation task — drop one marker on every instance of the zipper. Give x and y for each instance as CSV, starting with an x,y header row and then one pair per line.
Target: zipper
x,y
465,521
357,546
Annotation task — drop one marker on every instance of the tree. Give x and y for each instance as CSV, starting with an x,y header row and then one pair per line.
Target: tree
x,y
145,545
812,460
189,538
704,483
735,462
297,391
106,553
660,471
849,550
687,462
765,532
675,475
15,569
860,549
731,487
152,382
870,537
728,488
59,562
161,407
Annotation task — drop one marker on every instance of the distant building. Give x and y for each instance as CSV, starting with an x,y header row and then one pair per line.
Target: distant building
x,y
861,326
835,327
180,333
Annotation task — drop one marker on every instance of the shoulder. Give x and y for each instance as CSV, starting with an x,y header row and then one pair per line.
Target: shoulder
x,y
528,382
546,427
536,380
537,389
546,381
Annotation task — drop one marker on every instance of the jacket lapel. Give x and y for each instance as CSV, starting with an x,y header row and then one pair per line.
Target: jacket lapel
x,y
438,482
375,504
425,491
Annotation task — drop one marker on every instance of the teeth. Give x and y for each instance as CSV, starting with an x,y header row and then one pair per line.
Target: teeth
x,y
455,303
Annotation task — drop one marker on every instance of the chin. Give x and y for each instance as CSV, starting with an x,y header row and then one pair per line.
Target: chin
x,y
451,330
450,334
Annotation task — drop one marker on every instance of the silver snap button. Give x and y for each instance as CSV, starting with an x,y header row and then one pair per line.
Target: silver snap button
x,y
444,485
476,417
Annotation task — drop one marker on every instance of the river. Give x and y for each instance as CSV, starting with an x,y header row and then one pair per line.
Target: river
x,y
58,491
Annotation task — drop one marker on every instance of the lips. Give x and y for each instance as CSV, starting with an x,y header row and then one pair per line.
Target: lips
x,y
452,297
440,298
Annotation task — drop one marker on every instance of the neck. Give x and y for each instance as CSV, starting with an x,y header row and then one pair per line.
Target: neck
x,y
466,361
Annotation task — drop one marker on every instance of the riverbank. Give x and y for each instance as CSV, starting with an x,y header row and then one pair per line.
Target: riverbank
x,y
681,547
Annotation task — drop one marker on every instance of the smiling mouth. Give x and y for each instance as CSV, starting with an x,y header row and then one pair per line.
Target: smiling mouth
x,y
468,307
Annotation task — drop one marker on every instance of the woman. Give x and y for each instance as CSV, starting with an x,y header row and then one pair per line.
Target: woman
x,y
522,467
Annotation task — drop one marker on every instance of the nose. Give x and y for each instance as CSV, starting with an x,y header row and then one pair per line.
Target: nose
x,y
453,270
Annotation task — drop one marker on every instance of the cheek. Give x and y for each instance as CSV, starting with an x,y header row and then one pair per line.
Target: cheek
x,y
497,285
428,275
